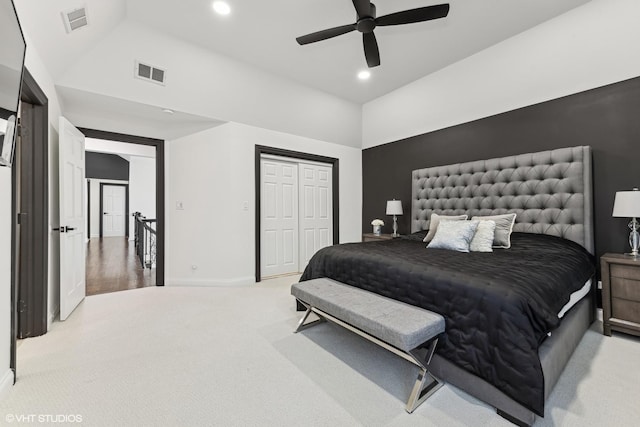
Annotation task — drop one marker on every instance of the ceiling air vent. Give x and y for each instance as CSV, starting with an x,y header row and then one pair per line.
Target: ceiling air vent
x,y
150,73
75,19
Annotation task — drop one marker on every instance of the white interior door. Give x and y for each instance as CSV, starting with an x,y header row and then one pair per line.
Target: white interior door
x,y
114,198
316,210
279,218
72,220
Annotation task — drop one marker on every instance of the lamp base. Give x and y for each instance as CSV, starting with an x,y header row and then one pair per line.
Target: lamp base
x,y
634,239
395,227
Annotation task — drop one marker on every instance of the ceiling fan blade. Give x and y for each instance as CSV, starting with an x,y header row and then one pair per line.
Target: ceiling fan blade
x,y
363,7
371,51
411,16
325,34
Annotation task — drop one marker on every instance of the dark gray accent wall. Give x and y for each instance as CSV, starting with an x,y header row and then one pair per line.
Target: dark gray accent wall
x,y
606,118
106,166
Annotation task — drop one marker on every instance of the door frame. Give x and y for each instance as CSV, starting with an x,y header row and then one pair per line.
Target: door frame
x,y
88,182
160,184
126,206
296,155
33,293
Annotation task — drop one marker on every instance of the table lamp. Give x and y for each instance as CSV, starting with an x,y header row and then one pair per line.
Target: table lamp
x,y
627,205
394,207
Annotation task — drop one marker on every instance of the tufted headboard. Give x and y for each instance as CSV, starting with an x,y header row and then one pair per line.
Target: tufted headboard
x,y
551,192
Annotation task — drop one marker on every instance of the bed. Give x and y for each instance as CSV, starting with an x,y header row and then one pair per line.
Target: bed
x,y
509,328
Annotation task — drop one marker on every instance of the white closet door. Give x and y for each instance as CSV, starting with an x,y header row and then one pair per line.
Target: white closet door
x,y
316,210
279,218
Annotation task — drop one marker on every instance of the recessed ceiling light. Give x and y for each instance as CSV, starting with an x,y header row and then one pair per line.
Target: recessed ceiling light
x,y
221,7
364,74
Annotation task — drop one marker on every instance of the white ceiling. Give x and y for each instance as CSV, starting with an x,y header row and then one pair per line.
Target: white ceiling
x,y
42,23
94,111
262,34
123,149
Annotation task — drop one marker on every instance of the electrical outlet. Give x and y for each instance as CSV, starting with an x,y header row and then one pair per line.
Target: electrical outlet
x,y
179,206
245,206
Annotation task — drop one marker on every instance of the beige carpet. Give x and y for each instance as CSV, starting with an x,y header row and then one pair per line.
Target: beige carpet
x,y
227,357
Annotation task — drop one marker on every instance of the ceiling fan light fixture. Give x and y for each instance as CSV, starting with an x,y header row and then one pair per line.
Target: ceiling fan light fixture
x,y
221,7
364,75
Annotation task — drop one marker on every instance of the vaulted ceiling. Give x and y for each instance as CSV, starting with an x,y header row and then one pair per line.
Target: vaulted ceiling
x,y
261,35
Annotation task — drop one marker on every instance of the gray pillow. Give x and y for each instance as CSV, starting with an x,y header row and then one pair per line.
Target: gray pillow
x,y
483,239
504,227
435,220
454,235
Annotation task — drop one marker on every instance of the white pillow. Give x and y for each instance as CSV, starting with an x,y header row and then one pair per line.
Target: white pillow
x,y
504,227
454,235
435,220
483,239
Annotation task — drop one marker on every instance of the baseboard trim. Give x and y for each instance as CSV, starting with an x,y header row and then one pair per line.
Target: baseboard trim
x,y
238,281
6,383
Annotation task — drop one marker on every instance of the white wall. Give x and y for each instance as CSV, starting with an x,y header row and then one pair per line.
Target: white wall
x,y
212,174
142,189
587,47
6,376
210,85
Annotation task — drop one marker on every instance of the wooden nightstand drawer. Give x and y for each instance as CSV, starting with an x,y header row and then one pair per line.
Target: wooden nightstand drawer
x,y
625,271
625,309
625,288
620,294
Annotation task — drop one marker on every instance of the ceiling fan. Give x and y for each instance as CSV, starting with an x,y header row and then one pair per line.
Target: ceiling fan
x,y
367,22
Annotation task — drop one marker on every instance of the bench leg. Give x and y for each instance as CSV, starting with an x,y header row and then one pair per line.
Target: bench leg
x,y
301,325
422,388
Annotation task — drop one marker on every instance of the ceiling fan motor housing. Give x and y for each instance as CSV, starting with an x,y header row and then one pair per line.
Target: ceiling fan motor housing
x,y
366,24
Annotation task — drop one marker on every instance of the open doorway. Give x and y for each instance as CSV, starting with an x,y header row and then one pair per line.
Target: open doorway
x,y
121,216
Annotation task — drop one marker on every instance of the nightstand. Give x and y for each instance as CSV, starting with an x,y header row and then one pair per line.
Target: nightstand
x,y
370,237
620,294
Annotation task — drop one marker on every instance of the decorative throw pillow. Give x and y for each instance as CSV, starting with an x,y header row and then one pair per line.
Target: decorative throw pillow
x,y
504,227
435,220
483,239
454,235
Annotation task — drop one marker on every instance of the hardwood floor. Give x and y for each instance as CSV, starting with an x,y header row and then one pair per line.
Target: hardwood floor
x,y
112,266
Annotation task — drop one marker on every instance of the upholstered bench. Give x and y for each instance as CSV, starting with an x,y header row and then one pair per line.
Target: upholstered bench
x,y
408,331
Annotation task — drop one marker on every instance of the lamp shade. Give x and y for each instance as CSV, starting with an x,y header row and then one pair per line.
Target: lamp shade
x,y
626,204
394,207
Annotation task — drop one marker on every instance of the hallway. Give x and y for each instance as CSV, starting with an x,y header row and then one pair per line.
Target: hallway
x,y
112,266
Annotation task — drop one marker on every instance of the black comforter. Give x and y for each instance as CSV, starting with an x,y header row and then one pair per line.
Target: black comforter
x,y
498,306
